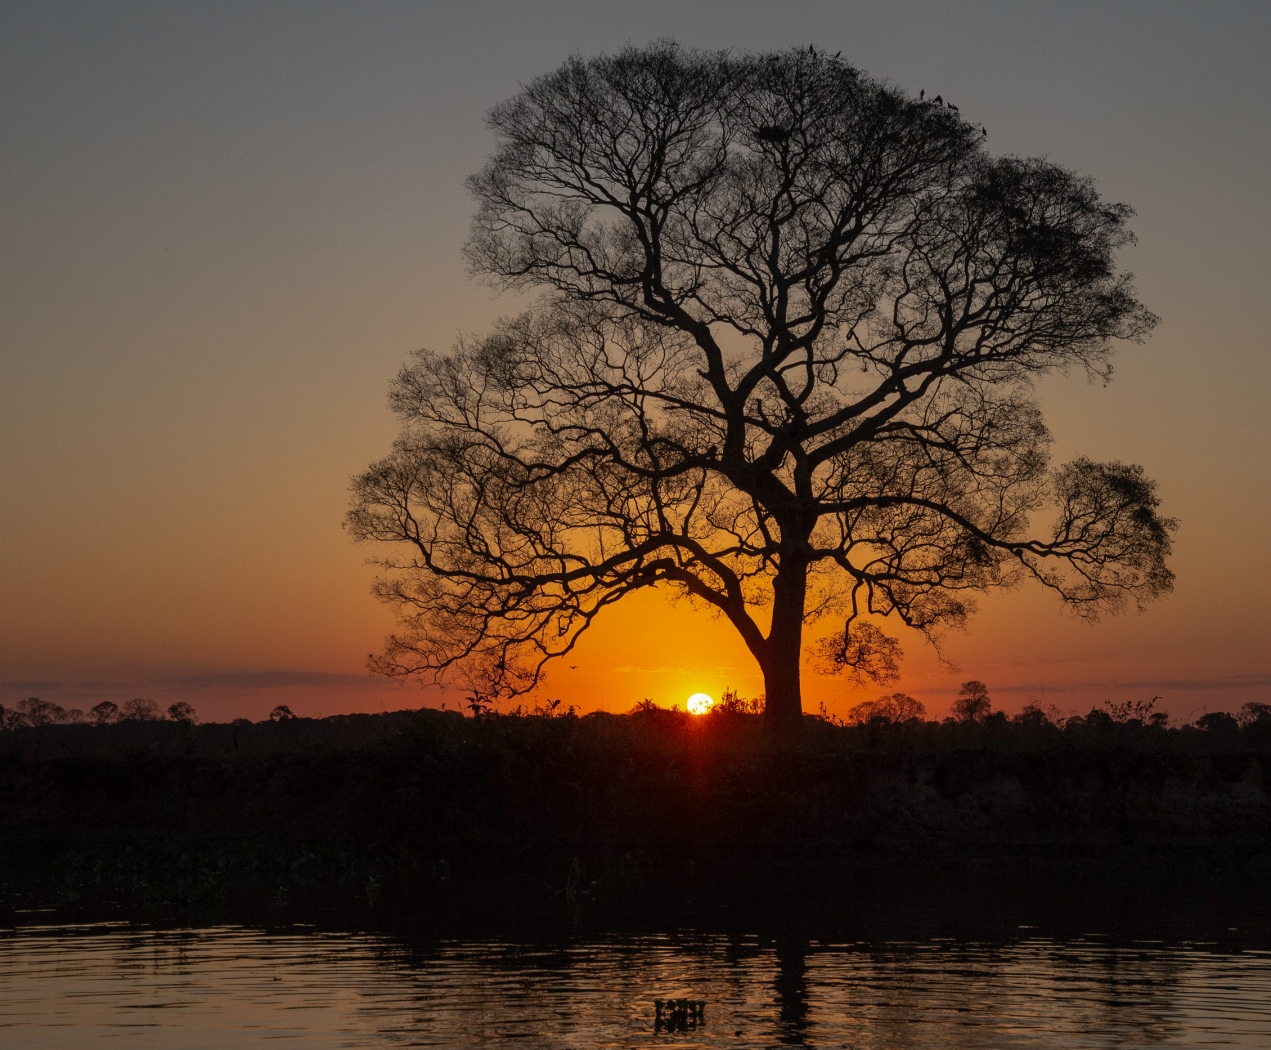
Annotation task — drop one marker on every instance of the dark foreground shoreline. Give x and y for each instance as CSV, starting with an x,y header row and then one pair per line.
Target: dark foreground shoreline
x,y
431,820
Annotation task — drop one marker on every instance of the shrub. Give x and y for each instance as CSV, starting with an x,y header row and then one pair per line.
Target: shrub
x,y
1131,710
732,703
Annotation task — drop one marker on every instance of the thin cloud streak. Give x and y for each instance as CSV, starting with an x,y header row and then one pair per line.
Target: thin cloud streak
x,y
1259,681
283,679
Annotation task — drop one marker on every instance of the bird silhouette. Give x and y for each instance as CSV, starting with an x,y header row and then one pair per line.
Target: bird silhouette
x,y
954,108
938,100
838,54
922,94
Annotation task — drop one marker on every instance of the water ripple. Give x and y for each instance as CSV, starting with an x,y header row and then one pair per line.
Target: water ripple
x,y
116,985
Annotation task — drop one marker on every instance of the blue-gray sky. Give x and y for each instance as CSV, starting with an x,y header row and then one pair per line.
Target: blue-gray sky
x,y
224,226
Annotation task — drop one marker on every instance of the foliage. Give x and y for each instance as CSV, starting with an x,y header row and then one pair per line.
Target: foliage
x,y
448,800
281,713
781,367
182,712
104,713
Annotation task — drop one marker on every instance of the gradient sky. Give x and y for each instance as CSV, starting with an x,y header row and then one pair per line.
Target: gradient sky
x,y
224,226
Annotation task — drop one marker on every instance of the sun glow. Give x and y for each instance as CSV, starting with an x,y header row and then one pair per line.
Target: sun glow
x,y
699,704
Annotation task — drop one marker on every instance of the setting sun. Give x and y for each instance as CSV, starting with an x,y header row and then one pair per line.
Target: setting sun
x,y
699,704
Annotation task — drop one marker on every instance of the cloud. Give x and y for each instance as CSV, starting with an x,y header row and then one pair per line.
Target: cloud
x,y
1239,681
666,669
284,679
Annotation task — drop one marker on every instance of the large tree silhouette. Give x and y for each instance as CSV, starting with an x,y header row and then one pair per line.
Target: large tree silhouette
x,y
781,366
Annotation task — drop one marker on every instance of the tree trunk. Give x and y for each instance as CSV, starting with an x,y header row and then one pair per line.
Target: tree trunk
x,y
783,707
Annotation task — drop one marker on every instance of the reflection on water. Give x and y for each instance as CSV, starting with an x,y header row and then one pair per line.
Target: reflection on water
x,y
224,987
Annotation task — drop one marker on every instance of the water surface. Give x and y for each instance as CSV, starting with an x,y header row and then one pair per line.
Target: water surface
x,y
117,985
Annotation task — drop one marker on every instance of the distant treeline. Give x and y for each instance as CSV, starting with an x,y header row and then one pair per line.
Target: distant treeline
x,y
33,712
972,706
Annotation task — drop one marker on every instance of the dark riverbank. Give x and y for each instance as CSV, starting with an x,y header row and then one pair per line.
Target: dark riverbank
x,y
432,815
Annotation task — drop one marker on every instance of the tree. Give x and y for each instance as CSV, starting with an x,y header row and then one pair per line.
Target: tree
x,y
183,712
1218,723
39,712
898,707
972,704
281,713
780,366
139,710
106,711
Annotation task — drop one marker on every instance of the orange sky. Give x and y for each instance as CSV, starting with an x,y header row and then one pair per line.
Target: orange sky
x,y
226,228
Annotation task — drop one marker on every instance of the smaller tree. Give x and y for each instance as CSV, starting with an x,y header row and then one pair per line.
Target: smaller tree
x,y
1219,723
1254,713
1038,717
139,710
972,704
105,712
182,712
281,713
41,712
898,707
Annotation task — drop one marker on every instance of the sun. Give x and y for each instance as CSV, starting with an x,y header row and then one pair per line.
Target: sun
x,y
699,704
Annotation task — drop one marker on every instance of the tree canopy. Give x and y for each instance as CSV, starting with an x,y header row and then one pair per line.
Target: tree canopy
x,y
781,364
